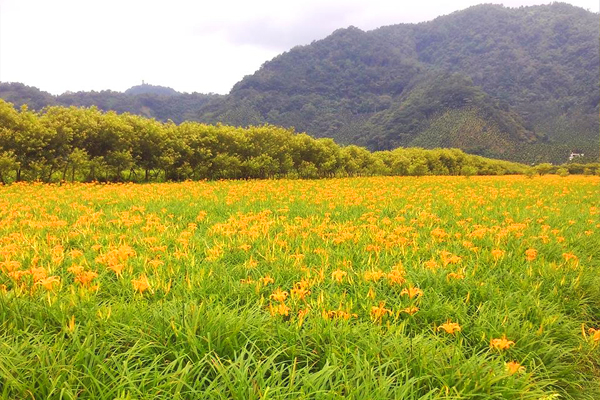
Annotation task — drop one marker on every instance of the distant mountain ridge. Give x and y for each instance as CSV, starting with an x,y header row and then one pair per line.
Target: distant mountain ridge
x,y
515,83
160,102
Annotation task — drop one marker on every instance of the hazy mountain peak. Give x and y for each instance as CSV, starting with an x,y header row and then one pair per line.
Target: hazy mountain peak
x,y
146,88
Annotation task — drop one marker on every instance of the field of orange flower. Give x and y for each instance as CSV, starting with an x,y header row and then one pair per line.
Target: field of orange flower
x,y
365,288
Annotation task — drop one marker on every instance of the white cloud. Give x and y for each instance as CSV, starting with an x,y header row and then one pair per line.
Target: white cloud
x,y
188,45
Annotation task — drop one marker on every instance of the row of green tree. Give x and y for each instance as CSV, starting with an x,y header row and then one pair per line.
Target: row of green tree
x,y
572,168
86,144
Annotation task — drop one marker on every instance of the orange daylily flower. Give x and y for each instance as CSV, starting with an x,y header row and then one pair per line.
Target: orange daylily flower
x,y
450,327
373,275
338,314
49,282
396,276
265,280
279,295
116,268
411,292
501,343
514,367
455,275
595,334
142,284
497,254
410,310
85,277
279,309
380,311
531,254
338,275
300,292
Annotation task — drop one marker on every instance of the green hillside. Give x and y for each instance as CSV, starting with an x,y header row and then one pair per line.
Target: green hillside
x,y
162,103
522,82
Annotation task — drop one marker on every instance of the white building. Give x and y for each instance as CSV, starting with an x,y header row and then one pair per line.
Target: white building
x,y
575,155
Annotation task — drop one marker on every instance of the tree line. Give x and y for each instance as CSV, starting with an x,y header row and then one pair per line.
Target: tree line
x,y
85,144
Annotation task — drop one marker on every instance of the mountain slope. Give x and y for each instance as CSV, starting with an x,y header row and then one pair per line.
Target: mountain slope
x,y
162,103
529,74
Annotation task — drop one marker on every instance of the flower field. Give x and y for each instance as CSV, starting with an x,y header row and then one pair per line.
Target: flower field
x,y
361,288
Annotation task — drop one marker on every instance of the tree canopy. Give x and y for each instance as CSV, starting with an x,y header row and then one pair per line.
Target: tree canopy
x,y
86,144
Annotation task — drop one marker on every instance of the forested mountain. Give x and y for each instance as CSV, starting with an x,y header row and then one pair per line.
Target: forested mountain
x,y
514,83
162,103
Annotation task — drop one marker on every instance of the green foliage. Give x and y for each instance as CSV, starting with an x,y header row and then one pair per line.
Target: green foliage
x,y
544,168
8,164
530,172
85,144
562,172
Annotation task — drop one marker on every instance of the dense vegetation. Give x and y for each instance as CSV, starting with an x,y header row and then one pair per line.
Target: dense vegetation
x,y
86,144
518,84
431,288
158,102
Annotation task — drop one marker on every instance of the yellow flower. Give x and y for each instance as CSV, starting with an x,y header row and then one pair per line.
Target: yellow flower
x,y
76,253
439,233
412,292
71,325
338,275
75,269
279,295
514,367
450,327
338,314
379,312
431,264
449,258
410,310
117,268
300,292
49,282
374,275
279,309
244,247
38,273
85,277
595,334
497,254
266,280
531,254
303,312
142,284
501,343
396,276
455,275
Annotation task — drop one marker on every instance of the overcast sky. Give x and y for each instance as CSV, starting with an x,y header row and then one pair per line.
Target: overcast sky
x,y
201,46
